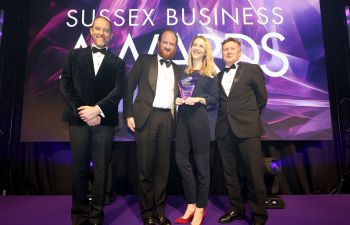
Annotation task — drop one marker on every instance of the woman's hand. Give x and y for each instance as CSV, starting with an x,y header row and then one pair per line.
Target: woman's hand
x,y
179,101
194,100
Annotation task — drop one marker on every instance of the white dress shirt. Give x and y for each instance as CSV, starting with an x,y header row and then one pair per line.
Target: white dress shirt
x,y
228,78
164,97
97,58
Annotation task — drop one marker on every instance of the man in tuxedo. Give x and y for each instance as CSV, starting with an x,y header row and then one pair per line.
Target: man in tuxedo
x,y
242,96
150,117
92,82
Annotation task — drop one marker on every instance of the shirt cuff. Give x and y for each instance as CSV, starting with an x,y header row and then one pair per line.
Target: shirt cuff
x,y
101,112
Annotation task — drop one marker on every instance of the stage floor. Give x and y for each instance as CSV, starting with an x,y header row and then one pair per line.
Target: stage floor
x,y
54,210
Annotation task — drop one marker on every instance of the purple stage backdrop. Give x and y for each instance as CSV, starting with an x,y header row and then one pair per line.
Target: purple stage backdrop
x,y
283,37
1,23
347,14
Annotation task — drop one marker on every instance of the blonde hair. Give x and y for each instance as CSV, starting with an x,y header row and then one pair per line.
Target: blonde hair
x,y
208,68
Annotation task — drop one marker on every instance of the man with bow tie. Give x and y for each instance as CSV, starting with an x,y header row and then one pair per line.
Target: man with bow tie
x,y
151,117
242,96
92,82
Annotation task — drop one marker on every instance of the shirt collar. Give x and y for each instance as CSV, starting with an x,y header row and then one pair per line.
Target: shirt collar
x,y
93,45
236,64
159,57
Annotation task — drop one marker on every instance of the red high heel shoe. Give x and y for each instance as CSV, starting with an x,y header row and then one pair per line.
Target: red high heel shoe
x,y
183,221
202,218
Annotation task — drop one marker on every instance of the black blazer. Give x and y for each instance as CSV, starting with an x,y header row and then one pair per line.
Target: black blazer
x,y
144,75
240,110
80,86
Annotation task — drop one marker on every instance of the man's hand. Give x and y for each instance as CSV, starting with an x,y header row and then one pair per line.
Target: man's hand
x,y
131,123
179,101
87,113
94,122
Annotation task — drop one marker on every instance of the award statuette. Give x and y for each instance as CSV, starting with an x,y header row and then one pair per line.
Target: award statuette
x,y
186,86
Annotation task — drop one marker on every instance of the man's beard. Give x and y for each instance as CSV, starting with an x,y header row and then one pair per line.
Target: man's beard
x,y
166,54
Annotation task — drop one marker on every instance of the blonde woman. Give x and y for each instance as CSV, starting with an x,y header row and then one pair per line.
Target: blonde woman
x,y
198,87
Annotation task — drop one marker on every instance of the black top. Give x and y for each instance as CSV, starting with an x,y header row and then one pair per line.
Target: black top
x,y
206,87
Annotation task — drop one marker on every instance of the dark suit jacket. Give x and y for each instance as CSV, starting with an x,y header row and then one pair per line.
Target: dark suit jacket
x,y
240,110
144,75
80,86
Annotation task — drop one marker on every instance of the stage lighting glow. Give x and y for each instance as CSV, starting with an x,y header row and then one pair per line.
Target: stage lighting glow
x,y
272,165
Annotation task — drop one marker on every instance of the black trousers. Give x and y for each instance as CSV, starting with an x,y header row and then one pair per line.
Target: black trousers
x,y
245,152
153,155
192,147
89,143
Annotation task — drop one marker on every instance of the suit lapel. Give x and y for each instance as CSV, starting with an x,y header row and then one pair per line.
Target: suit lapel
x,y
238,75
153,73
176,88
104,61
176,80
220,76
90,63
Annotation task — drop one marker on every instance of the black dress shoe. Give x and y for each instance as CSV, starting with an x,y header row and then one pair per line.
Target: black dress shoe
x,y
162,220
231,216
149,221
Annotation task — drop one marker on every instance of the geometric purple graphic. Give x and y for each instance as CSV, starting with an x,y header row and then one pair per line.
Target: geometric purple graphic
x,y
274,34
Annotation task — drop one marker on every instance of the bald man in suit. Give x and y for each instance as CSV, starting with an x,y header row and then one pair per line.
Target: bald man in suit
x,y
92,82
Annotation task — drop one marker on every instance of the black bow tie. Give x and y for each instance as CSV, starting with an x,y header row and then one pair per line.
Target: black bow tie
x,y
100,50
231,67
167,62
